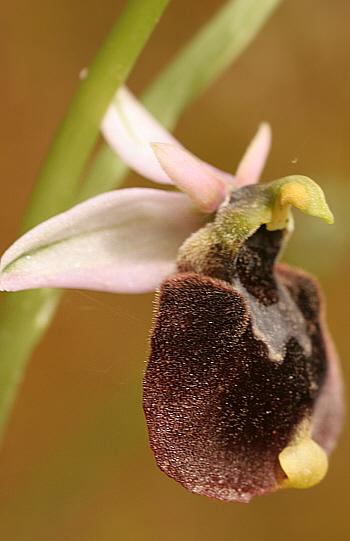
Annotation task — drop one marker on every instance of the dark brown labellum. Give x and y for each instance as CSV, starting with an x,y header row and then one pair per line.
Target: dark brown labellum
x,y
236,366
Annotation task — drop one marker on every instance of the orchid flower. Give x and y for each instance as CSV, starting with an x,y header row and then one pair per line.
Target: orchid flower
x,y
242,392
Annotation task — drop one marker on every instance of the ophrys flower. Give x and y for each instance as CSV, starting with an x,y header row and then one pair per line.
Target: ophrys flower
x,y
242,391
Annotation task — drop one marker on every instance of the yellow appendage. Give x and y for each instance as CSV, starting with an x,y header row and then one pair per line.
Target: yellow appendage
x,y
305,464
294,194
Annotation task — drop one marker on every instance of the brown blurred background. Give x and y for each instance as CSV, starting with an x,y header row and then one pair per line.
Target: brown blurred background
x,y
76,464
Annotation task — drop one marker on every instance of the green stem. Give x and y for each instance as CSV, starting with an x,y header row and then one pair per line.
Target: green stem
x,y
25,316
209,54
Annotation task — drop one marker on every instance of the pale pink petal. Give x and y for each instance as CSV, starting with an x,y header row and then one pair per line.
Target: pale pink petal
x,y
205,189
253,161
129,129
123,241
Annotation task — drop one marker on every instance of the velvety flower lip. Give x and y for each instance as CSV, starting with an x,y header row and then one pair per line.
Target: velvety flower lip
x,y
226,418
127,240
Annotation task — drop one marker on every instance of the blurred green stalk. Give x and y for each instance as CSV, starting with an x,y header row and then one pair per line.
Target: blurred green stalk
x,y
25,316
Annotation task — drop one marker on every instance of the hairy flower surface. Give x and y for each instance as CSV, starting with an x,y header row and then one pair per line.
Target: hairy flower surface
x,y
242,392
